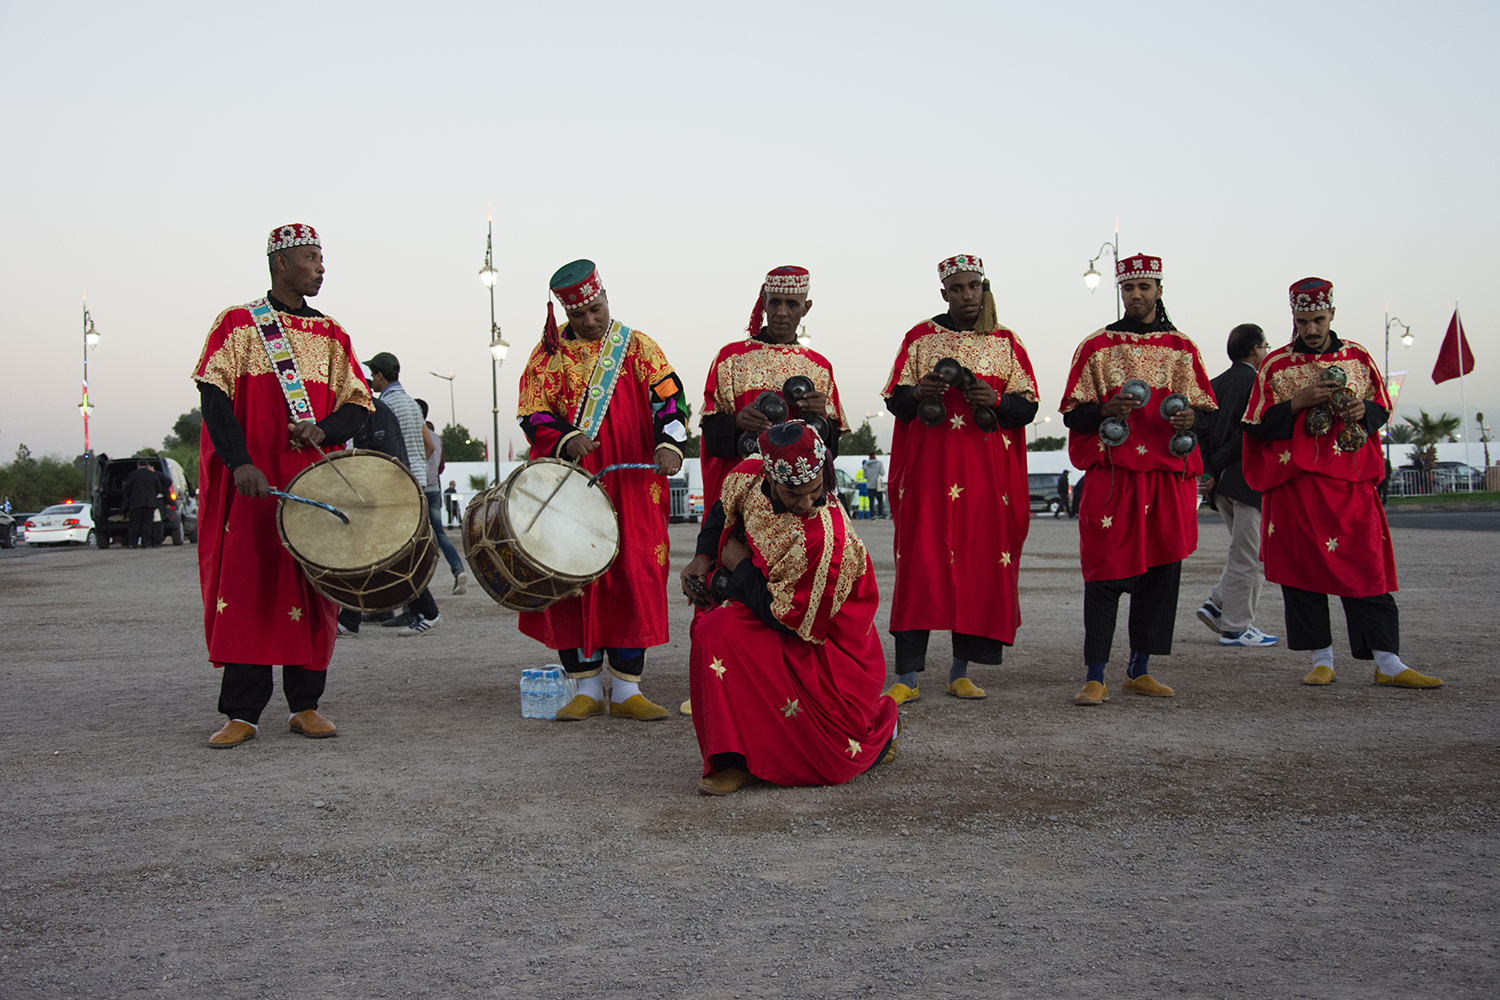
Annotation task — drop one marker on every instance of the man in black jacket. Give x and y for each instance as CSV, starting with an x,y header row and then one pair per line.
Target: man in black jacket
x,y
1230,608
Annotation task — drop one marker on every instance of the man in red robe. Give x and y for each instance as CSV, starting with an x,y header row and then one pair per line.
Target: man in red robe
x,y
1139,515
786,669
762,363
958,490
599,393
276,380
1312,449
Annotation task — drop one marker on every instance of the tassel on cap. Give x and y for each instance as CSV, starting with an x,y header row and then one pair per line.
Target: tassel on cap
x,y
551,337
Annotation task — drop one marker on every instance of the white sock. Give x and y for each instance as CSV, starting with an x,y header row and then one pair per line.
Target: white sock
x,y
252,725
1388,663
592,686
620,690
1323,657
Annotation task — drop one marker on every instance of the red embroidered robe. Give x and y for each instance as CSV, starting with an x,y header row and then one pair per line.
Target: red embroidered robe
x,y
257,604
744,370
1322,526
959,496
803,708
627,606
1140,502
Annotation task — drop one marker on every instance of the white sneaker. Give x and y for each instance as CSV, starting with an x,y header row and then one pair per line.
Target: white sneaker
x,y
421,626
342,632
1252,636
461,583
1209,615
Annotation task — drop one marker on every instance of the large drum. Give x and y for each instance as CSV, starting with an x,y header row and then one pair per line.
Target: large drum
x,y
541,535
385,555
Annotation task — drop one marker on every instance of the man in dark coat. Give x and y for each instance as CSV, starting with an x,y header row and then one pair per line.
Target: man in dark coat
x,y
1230,608
142,498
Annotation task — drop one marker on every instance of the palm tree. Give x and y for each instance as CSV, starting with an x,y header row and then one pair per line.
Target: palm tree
x,y
1402,434
1427,431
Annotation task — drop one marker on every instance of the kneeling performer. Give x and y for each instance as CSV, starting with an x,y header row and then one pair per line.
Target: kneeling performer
x,y
786,672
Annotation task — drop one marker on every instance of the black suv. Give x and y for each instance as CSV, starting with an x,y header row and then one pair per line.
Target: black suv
x,y
112,521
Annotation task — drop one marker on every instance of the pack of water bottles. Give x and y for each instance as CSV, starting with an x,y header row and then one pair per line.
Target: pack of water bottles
x,y
544,690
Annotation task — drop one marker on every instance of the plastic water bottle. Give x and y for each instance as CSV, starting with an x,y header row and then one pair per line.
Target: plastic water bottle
x,y
530,682
553,690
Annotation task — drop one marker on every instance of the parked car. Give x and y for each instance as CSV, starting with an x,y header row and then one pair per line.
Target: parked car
x,y
848,492
18,530
1044,495
1452,476
8,531
60,524
112,520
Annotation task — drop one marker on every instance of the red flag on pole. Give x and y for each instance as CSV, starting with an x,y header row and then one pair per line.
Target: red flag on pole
x,y
1455,346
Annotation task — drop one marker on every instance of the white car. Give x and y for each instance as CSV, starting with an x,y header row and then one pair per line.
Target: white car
x,y
62,522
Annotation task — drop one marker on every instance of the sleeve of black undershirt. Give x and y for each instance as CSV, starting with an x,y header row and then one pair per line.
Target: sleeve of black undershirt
x,y
224,428
1275,424
720,436
712,530
747,584
903,403
1014,410
340,425
1084,418
1375,418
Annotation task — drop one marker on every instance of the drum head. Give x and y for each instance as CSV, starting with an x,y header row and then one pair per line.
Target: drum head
x,y
576,534
383,515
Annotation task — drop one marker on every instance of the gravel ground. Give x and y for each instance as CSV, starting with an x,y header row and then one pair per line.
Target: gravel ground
x,y
1249,838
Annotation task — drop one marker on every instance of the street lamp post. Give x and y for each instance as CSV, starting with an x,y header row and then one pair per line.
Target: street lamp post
x,y
498,346
1406,341
90,339
452,409
1091,276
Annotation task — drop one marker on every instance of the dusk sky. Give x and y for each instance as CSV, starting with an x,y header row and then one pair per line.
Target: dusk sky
x,y
688,148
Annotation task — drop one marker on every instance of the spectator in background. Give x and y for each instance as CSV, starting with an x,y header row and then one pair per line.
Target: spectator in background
x,y
1063,496
142,500
451,493
1230,608
875,483
433,489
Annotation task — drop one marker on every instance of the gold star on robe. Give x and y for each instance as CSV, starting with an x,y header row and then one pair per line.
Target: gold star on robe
x,y
957,420
791,708
1140,449
1147,510
1270,527
1107,522
1005,559
1005,440
1005,499
1333,544
222,604
854,748
296,614
718,667
954,491
1284,456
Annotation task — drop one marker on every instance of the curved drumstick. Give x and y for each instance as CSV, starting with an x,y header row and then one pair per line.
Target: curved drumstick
x,y
311,503
622,465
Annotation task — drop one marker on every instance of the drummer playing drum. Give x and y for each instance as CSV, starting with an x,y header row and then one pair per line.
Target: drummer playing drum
x,y
598,393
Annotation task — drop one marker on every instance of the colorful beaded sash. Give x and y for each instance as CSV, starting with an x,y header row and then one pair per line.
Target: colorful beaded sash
x,y
279,350
603,379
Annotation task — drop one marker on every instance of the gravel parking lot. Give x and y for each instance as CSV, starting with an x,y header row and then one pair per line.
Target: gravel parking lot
x,y
1250,838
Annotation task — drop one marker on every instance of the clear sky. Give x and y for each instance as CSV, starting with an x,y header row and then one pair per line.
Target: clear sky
x,y
688,148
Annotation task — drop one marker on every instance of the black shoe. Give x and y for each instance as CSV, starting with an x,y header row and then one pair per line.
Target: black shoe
x,y
399,621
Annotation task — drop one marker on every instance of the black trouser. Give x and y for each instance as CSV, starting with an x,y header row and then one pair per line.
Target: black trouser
x,y
1153,612
350,619
424,605
1374,623
627,664
139,533
911,649
245,689
877,503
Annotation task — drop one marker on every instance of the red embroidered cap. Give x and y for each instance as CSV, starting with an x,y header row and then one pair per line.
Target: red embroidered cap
x,y
963,262
789,279
293,234
1139,266
576,284
1311,295
793,453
